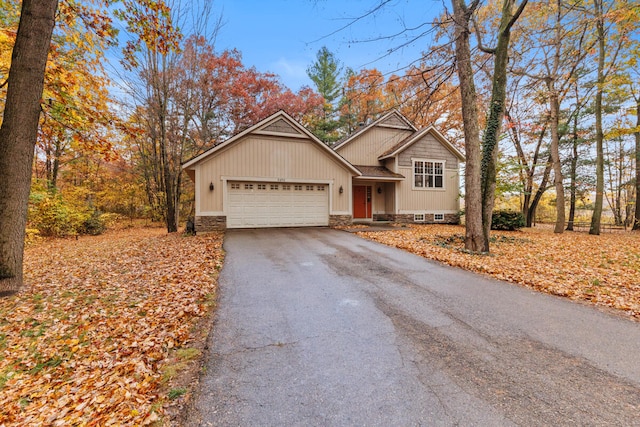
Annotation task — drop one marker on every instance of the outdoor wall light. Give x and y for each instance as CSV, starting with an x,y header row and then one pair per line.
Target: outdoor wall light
x,y
211,186
379,190
341,190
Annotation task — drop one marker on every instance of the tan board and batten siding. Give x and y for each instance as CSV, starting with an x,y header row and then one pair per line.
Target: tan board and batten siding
x,y
270,159
442,200
375,141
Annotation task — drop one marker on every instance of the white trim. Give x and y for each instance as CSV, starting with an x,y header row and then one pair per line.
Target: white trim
x,y
425,188
256,127
376,123
378,178
276,180
286,134
411,212
197,191
225,187
438,136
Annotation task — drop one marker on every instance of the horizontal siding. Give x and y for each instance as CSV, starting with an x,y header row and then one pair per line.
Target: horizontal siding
x,y
366,148
428,147
263,157
411,200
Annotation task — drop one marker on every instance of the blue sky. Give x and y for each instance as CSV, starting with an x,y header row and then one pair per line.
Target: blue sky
x,y
283,36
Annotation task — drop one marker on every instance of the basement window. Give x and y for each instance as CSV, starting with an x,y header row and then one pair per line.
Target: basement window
x,y
418,217
438,217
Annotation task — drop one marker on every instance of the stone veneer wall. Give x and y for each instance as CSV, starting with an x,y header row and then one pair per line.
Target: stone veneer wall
x,y
210,223
340,220
383,217
450,218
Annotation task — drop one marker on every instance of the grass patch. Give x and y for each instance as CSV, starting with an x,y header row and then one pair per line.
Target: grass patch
x,y
175,393
187,353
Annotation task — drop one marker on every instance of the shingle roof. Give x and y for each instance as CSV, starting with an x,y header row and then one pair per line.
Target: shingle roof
x,y
377,172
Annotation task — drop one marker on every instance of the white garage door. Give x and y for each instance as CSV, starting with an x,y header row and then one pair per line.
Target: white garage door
x,y
271,204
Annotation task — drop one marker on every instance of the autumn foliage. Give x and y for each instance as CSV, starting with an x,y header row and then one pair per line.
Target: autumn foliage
x,y
602,270
88,342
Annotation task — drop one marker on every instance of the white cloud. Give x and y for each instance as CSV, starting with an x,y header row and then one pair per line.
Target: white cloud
x,y
292,73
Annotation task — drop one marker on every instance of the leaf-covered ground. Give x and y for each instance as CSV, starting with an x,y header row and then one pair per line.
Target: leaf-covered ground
x,y
88,342
602,270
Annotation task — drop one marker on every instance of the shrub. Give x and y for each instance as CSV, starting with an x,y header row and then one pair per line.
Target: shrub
x,y
93,225
507,220
52,216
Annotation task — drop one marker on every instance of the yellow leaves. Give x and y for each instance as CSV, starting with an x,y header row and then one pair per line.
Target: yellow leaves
x,y
85,345
604,270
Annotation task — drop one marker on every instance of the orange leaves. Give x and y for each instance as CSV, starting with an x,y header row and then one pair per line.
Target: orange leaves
x,y
604,270
86,343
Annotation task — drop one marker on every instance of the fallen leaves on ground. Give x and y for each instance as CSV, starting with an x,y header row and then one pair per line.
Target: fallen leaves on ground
x,y
603,270
85,343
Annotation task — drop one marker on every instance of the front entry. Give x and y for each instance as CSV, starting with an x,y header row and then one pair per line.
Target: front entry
x,y
361,202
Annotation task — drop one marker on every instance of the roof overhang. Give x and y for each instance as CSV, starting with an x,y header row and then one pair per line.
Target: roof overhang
x,y
433,131
190,164
373,124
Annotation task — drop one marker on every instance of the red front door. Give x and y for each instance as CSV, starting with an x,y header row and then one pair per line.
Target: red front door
x,y
361,201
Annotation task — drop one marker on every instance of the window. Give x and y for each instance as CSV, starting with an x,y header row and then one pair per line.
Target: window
x,y
235,186
298,187
428,174
248,186
320,187
418,217
274,186
438,217
286,187
262,186
309,187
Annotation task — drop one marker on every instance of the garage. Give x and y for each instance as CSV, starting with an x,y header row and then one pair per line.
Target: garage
x,y
277,204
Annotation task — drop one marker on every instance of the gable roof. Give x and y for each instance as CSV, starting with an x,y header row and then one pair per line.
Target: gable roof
x,y
393,119
411,139
277,124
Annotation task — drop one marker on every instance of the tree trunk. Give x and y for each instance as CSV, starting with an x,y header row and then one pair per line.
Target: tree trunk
x,y
574,166
531,214
597,206
636,221
18,133
554,106
474,238
494,122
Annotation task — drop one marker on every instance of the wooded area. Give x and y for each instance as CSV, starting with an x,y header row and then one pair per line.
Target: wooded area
x,y
541,96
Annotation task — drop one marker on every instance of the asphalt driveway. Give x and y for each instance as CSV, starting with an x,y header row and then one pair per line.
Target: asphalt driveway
x,y
317,327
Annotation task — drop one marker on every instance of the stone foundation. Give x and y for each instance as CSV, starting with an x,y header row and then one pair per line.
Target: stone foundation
x,y
451,218
403,218
340,220
210,223
383,217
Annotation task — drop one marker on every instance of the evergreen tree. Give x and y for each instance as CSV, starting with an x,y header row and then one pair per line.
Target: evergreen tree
x,y
325,74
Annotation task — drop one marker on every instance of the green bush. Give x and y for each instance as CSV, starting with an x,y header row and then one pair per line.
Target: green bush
x,y
507,220
94,225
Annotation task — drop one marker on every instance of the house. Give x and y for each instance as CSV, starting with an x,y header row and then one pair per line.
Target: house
x,y
278,174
